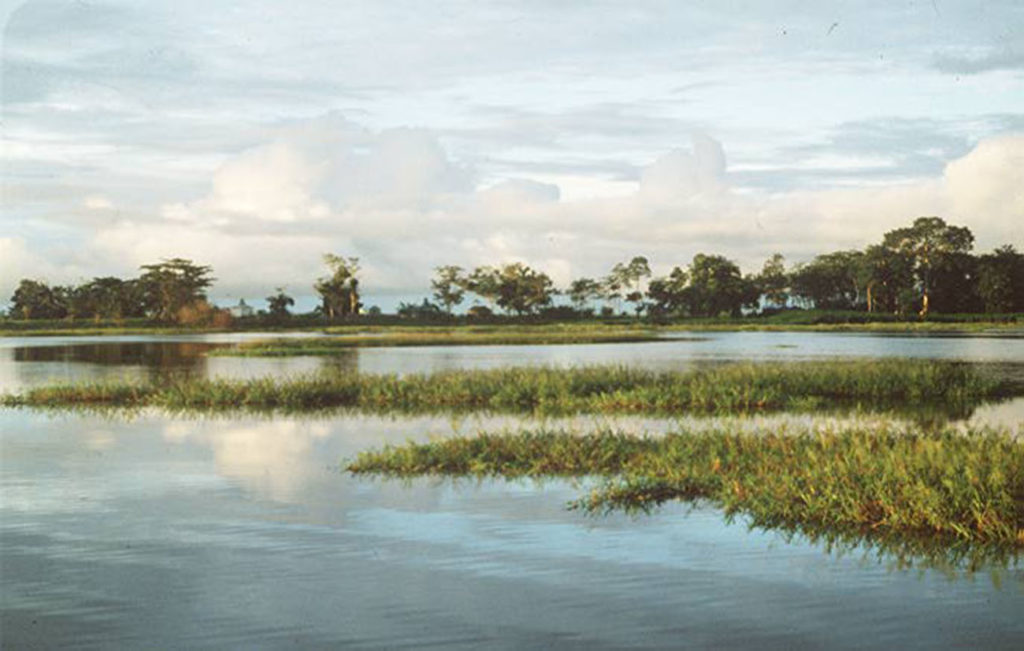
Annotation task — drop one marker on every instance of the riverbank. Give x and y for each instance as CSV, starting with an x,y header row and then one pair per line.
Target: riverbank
x,y
794,320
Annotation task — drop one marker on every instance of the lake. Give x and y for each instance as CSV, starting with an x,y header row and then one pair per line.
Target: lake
x,y
186,532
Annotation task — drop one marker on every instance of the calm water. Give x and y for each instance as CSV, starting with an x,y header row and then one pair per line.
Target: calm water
x,y
240,531
26,361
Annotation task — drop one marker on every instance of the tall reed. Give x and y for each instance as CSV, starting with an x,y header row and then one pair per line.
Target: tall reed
x,y
947,484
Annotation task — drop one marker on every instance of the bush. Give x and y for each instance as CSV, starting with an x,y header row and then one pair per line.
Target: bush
x,y
201,313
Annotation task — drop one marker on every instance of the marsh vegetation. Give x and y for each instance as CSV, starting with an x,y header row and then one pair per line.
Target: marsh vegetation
x,y
442,337
946,484
807,386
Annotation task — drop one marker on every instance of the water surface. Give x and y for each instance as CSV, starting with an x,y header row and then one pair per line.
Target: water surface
x,y
27,361
240,531
168,533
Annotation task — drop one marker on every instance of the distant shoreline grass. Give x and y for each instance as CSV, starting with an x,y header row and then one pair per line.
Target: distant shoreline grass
x,y
895,327
799,386
787,321
322,346
947,485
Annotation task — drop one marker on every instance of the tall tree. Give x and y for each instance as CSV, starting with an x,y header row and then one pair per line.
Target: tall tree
x,y
582,291
108,297
278,304
1001,280
632,276
773,280
717,287
485,283
172,285
339,292
611,288
34,299
449,286
668,295
76,300
624,281
887,277
954,284
830,281
523,290
929,241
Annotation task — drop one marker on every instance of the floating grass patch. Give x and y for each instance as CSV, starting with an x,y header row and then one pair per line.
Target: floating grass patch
x,y
868,386
340,345
947,485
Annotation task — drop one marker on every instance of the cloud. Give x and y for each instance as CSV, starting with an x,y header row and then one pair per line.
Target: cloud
x,y
271,183
986,187
990,61
513,193
398,200
326,167
97,202
17,262
403,167
980,190
609,125
681,174
880,148
244,263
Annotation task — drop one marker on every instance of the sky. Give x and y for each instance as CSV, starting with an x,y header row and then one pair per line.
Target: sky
x,y
256,135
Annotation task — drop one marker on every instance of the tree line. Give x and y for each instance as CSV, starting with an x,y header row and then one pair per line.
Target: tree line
x,y
170,291
927,266
924,267
174,291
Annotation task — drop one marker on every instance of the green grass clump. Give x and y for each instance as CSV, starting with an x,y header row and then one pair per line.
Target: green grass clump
x,y
810,386
948,485
465,337
98,394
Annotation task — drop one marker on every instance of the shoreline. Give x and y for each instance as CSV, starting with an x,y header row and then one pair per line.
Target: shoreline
x,y
1001,328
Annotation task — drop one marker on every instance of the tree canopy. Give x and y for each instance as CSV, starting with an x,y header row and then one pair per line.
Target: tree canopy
x,y
582,291
930,243
278,304
830,281
339,292
172,285
773,280
34,299
716,287
1001,280
523,290
668,295
449,286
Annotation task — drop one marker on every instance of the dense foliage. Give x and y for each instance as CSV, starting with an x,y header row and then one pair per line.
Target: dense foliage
x,y
923,268
171,291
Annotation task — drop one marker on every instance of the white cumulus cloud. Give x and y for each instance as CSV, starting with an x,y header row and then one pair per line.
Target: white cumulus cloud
x,y
396,199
